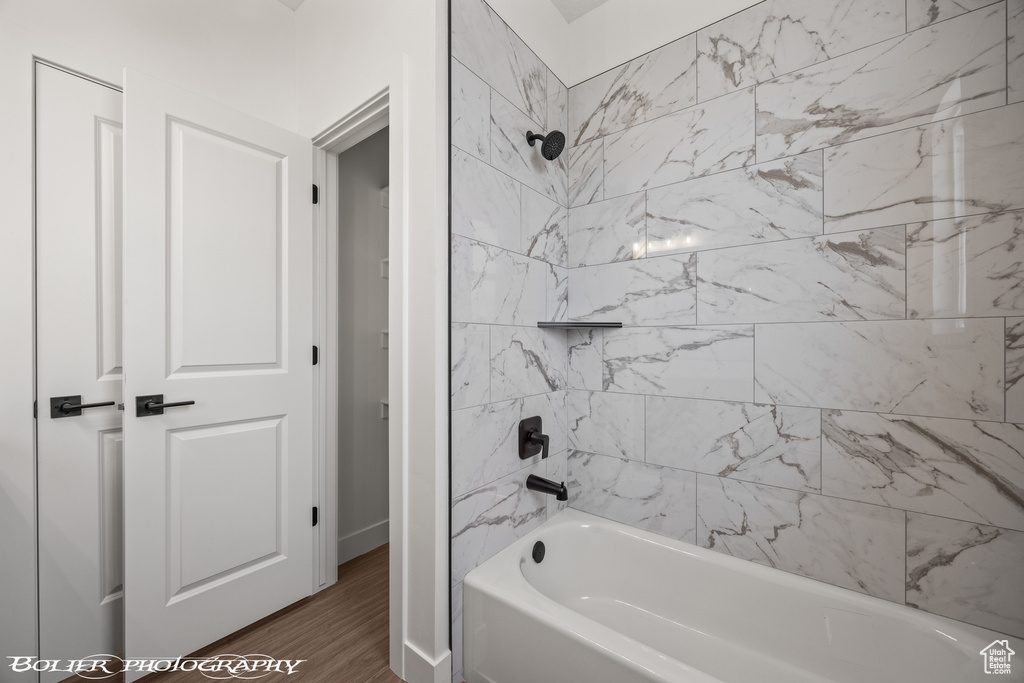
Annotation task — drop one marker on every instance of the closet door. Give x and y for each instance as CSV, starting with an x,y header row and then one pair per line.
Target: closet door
x,y
78,360
217,311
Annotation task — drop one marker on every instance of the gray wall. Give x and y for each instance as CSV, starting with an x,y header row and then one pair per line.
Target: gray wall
x,y
812,244
362,363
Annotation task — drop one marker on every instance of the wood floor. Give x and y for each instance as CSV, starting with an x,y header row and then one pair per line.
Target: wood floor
x,y
341,632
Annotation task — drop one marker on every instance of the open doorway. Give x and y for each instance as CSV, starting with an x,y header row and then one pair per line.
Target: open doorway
x,y
362,368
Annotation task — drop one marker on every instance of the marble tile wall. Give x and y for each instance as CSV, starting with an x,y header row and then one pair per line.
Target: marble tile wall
x,y
808,218
509,271
821,367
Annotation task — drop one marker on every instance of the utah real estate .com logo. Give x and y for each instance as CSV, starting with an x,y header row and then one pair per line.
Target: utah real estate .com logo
x,y
997,657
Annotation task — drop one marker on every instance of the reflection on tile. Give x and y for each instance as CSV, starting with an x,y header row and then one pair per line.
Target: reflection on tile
x,y
470,365
612,230
492,285
844,543
457,610
966,571
696,362
487,443
558,471
557,294
778,36
1015,370
652,85
845,276
706,138
953,468
657,291
776,445
485,203
895,84
544,228
763,203
609,424
968,165
1015,51
921,13
586,173
512,154
471,112
966,266
659,499
944,368
586,351
525,361
488,519
491,50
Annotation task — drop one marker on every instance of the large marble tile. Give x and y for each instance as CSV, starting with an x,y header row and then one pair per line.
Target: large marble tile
x,y
965,571
777,445
490,518
844,276
652,85
954,468
848,544
940,368
457,607
921,13
491,50
694,362
968,165
611,230
485,446
586,358
778,36
471,112
1015,370
557,294
1015,51
762,203
658,291
558,105
492,285
966,266
585,173
485,203
526,361
471,360
511,153
714,136
545,228
658,499
608,424
899,83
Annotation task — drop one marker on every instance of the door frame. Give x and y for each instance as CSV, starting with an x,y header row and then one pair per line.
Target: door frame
x,y
372,116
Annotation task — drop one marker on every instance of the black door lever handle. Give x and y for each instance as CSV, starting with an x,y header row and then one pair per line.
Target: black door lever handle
x,y
153,404
72,406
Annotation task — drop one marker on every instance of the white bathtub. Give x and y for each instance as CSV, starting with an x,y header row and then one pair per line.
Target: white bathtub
x,y
613,604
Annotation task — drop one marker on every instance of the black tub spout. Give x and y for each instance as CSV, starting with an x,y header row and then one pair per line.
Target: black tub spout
x,y
535,483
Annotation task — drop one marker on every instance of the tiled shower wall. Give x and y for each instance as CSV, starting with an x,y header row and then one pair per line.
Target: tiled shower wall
x,y
809,218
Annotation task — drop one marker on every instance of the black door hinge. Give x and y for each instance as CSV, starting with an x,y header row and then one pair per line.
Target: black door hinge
x,y
316,194
316,515
316,356
35,409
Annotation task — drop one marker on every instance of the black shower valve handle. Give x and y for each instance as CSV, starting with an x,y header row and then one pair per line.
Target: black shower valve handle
x,y
536,437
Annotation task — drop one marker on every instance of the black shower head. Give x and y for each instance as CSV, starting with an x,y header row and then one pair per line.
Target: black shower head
x,y
551,145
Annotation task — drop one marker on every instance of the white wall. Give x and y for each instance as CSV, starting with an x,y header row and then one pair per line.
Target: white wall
x,y
237,51
347,51
609,35
362,362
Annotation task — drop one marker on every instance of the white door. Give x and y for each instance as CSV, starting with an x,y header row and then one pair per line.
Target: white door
x,y
217,310
78,330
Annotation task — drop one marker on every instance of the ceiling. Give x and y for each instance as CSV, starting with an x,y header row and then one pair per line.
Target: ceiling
x,y
293,4
574,9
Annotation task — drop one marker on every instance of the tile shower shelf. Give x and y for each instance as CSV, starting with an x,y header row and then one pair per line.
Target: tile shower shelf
x,y
575,326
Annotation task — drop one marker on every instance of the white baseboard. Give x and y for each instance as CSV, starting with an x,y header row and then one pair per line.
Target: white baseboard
x,y
363,541
421,669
